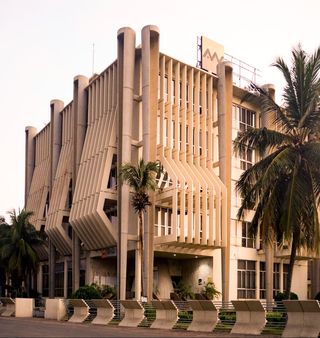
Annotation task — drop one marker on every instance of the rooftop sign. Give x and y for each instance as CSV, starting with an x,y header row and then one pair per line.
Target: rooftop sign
x,y
211,54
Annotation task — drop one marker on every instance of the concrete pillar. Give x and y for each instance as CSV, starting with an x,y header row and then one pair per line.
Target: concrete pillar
x,y
65,278
150,71
52,268
315,277
137,274
80,83
225,94
30,159
39,279
75,262
56,106
126,61
267,121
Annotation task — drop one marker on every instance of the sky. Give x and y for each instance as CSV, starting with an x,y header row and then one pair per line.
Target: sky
x,y
45,43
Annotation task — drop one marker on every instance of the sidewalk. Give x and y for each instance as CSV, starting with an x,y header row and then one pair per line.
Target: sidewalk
x,y
37,327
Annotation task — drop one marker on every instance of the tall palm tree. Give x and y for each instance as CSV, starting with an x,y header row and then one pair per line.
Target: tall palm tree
x,y
141,179
283,187
4,230
17,250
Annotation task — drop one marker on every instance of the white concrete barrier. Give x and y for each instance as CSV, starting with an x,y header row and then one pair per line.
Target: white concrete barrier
x,y
9,306
250,317
205,315
105,311
166,314
55,309
24,307
80,311
303,318
133,313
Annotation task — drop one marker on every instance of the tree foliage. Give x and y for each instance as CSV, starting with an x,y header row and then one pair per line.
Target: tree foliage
x,y
141,178
283,187
17,242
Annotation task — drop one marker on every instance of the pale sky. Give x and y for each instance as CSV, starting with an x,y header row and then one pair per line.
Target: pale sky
x,y
45,43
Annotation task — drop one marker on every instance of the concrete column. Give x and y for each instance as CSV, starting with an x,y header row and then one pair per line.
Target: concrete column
x,y
137,275
80,99
30,159
224,95
75,262
56,106
39,279
267,122
65,278
126,61
52,268
315,277
281,276
150,71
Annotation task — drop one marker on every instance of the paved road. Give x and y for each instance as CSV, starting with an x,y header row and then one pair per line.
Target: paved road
x,y
38,327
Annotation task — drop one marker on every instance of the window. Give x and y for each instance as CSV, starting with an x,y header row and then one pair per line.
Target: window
x,y
246,159
246,279
247,241
166,89
163,221
59,280
247,119
276,278
112,181
262,280
285,276
45,280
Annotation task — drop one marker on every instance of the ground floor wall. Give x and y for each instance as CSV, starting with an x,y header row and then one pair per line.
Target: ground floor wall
x,y
247,273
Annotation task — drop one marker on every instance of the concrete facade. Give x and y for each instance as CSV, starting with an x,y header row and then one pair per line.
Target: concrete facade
x,y
151,106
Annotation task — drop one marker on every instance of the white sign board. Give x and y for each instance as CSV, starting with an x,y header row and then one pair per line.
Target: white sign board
x,y
211,54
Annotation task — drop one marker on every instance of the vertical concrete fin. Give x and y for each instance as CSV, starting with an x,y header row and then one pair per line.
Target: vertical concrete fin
x,y
225,94
126,62
150,72
56,106
80,83
30,159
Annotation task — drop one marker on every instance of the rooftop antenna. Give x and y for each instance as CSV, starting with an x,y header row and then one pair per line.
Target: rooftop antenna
x,y
92,58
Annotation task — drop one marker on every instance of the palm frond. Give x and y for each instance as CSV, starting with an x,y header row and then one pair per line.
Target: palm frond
x,y
261,140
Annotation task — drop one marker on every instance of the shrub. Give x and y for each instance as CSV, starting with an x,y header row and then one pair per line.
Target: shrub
x,y
280,296
210,291
183,290
107,291
227,316
275,317
87,292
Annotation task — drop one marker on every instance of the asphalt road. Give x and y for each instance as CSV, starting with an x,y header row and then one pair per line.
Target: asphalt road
x,y
38,327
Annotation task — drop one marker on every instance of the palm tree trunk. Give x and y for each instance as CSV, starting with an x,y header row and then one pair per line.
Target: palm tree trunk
x,y
295,239
141,251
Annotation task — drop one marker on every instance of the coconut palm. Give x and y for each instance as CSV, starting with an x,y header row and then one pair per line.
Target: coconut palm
x,y
141,178
17,250
283,188
4,230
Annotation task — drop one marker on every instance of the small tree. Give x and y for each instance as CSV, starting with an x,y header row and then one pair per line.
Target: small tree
x,y
17,252
141,178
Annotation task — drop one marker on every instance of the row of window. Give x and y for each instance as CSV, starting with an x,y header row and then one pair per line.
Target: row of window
x,y
246,287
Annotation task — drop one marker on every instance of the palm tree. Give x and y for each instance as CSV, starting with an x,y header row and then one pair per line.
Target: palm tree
x,y
4,230
17,250
141,179
283,187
